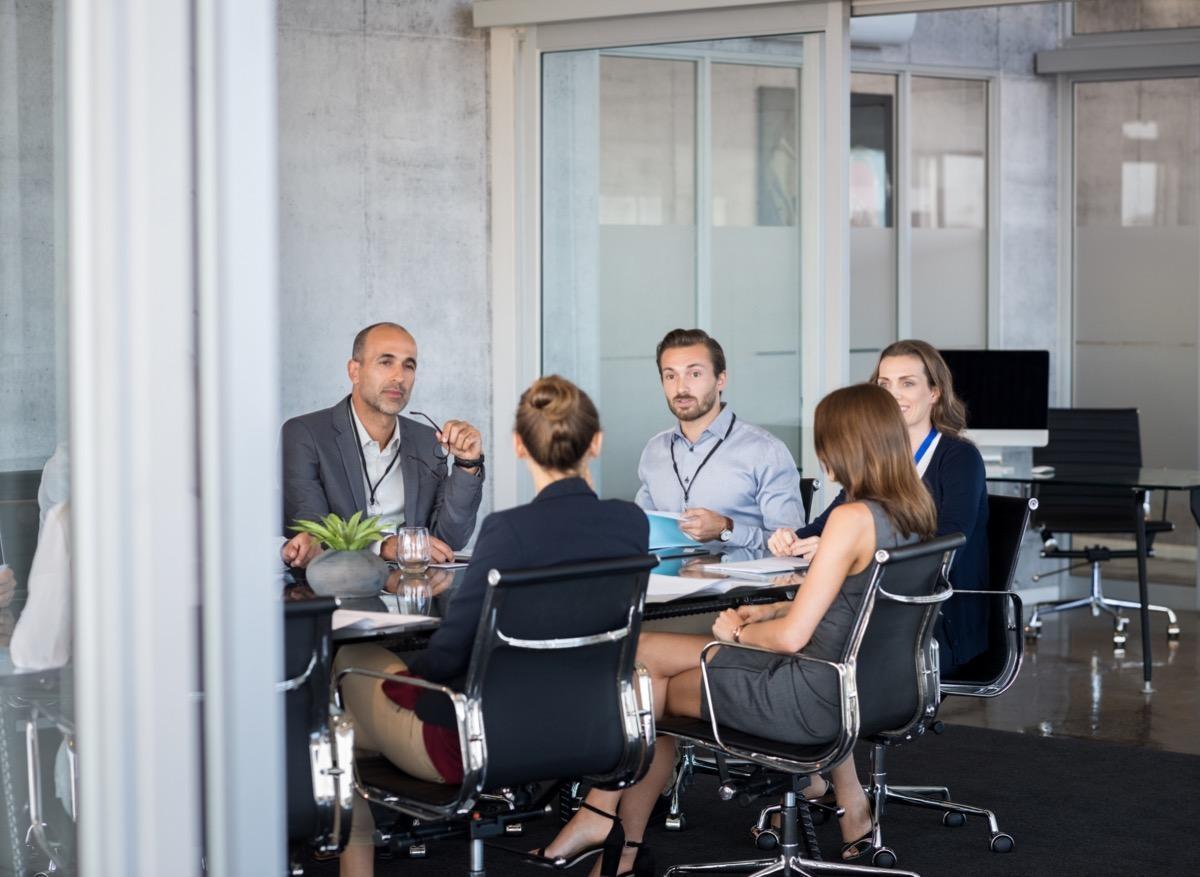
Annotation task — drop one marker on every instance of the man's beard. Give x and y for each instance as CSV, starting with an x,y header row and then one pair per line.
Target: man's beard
x,y
702,407
384,405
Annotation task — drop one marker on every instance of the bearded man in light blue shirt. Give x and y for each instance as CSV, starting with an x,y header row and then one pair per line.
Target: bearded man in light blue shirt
x,y
734,482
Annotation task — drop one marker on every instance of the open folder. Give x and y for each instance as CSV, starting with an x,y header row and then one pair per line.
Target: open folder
x,y
665,532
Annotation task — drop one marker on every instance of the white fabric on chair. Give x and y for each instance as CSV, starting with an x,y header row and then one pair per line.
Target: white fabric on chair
x,y
42,637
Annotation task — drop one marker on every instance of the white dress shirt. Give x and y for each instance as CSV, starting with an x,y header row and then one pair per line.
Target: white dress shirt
x,y
389,493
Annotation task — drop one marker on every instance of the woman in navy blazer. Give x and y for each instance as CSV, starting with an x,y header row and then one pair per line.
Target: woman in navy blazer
x,y
952,469
557,432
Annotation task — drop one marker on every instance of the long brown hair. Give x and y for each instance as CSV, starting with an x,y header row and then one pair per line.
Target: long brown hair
x,y
556,422
949,414
861,439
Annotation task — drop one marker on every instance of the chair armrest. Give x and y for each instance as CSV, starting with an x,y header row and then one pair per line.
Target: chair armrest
x,y
471,744
1014,653
847,694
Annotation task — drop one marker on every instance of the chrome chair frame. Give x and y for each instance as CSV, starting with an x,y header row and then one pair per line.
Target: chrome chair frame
x,y
790,862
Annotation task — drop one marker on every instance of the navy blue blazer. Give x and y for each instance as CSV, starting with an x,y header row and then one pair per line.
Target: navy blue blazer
x,y
956,481
565,522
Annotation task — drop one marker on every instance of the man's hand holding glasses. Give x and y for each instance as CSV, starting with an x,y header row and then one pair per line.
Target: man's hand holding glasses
x,y
459,438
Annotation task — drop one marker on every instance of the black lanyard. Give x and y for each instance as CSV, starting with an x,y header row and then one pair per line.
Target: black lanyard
x,y
687,491
362,458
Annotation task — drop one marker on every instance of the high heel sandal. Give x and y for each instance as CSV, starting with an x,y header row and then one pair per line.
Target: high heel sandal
x,y
610,847
643,862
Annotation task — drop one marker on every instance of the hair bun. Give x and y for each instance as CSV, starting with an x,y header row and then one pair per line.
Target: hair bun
x,y
556,398
557,422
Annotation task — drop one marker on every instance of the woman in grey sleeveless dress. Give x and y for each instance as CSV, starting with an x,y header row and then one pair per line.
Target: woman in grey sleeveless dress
x,y
863,444
796,700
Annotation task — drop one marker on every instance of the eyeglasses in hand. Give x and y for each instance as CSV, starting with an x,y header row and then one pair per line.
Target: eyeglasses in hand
x,y
439,450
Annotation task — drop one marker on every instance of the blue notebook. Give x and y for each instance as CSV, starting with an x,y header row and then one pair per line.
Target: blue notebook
x,y
665,532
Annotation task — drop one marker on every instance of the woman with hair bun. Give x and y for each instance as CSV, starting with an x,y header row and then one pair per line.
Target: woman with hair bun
x,y
556,434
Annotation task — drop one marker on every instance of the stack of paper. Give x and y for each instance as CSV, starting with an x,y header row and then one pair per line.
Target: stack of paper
x,y
360,620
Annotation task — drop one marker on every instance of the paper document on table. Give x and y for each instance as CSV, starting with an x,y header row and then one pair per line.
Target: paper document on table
x,y
757,569
452,564
362,620
663,588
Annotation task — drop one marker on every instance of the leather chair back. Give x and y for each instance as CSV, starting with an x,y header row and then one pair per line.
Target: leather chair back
x,y
1091,437
307,662
553,660
894,672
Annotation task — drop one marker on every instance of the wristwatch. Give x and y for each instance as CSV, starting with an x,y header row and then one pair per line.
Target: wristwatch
x,y
468,464
727,533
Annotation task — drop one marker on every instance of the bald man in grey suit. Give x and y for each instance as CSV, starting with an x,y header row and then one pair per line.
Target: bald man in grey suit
x,y
361,455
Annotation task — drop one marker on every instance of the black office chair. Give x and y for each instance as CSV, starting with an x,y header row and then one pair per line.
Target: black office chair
x,y
991,673
551,693
888,688
808,489
320,745
1093,437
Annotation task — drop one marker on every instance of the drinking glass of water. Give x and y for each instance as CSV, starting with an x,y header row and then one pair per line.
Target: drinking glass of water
x,y
412,549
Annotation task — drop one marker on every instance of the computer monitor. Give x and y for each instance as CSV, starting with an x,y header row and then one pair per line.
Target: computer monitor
x,y
1007,394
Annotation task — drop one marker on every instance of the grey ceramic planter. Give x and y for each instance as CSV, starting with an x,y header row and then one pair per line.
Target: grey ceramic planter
x,y
346,573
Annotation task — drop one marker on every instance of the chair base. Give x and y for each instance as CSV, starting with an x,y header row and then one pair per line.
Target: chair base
x,y
935,798
1098,603
790,862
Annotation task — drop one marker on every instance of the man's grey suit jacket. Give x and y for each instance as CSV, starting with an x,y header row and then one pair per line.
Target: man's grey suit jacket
x,y
322,473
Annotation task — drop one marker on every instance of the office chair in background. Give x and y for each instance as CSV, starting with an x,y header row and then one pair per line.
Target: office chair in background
x,y
320,746
1095,438
993,672
548,696
888,686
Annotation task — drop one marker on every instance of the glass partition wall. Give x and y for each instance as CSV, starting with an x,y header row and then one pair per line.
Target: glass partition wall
x,y
920,249
1136,225
671,198
37,739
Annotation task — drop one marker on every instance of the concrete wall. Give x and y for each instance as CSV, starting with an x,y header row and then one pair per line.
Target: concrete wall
x,y
384,197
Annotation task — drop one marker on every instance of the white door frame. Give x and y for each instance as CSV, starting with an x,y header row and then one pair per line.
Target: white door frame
x,y
517,43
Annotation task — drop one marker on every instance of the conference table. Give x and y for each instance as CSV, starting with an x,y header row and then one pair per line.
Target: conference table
x,y
1137,481
416,603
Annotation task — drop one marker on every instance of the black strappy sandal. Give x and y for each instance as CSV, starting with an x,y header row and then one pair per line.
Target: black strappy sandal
x,y
610,847
856,849
643,862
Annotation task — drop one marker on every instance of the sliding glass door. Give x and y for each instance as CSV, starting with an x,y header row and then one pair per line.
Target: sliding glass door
x,y
671,198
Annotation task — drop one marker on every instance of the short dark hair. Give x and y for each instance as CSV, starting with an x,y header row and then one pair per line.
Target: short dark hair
x,y
689,338
360,340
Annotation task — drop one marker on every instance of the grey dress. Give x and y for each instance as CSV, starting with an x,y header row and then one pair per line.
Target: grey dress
x,y
795,701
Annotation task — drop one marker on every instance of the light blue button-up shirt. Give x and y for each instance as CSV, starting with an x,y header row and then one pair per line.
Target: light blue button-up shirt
x,y
751,478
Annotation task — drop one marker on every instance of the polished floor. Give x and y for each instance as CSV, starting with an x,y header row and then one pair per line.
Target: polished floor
x,y
1073,685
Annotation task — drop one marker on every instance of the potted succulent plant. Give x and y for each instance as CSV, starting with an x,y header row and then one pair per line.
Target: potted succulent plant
x,y
347,566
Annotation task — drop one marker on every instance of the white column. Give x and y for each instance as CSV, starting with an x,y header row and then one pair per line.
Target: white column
x,y
237,206
133,435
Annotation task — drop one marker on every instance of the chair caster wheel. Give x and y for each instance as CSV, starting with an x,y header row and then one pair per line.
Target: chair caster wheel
x,y
1032,632
1173,633
766,840
819,815
1118,642
1002,843
417,851
675,823
883,858
954,820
